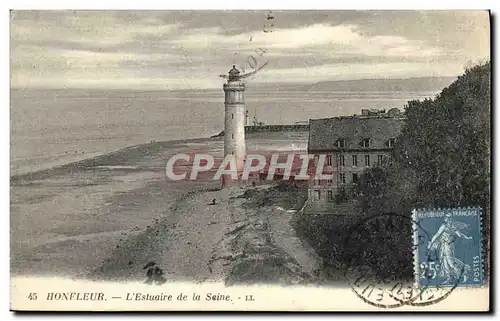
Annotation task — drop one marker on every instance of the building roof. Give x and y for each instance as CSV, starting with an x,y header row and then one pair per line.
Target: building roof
x,y
324,134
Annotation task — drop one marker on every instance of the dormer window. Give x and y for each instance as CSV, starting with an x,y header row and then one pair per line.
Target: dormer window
x,y
341,143
365,143
390,142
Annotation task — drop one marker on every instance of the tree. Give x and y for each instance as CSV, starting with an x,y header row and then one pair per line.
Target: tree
x,y
442,156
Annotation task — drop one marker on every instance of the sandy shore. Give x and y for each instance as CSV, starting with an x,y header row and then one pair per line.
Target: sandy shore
x,y
67,220
106,217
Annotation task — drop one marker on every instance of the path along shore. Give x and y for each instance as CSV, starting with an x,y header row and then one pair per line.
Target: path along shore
x,y
105,218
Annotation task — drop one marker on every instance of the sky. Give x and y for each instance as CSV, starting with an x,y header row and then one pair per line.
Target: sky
x,y
162,50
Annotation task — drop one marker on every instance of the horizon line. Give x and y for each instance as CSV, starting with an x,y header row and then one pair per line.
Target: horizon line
x,y
259,83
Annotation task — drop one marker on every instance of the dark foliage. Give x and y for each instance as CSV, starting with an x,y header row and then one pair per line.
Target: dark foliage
x,y
442,157
342,196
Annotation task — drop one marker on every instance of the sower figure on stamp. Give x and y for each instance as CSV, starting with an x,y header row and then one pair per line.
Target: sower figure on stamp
x,y
443,243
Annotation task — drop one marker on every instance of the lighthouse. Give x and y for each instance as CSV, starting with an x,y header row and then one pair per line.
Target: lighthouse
x,y
235,117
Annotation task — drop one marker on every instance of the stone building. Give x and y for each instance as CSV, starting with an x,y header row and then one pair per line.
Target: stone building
x,y
350,144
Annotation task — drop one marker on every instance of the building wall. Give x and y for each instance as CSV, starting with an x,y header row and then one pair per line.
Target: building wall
x,y
349,168
323,193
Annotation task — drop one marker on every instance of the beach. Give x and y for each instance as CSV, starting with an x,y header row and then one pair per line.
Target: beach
x,y
106,217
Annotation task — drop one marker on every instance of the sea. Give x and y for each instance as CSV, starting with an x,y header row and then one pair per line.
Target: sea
x,y
51,128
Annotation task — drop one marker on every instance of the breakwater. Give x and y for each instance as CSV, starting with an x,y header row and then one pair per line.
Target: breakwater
x,y
271,128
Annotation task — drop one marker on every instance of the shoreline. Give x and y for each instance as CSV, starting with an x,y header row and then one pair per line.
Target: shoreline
x,y
106,217
102,158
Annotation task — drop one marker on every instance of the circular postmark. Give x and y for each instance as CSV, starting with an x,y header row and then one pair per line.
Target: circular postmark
x,y
378,257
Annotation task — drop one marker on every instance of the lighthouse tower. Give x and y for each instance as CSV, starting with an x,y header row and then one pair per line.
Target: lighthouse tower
x,y
235,117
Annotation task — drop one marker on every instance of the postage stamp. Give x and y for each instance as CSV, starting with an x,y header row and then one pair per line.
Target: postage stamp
x,y
448,247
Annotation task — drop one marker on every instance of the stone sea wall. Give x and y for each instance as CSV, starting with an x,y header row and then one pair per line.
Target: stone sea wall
x,y
271,128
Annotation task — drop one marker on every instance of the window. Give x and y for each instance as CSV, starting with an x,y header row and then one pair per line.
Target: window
x,y
365,143
318,194
341,143
329,181
342,160
232,116
367,160
380,159
342,178
354,160
232,136
328,160
390,143
354,178
330,195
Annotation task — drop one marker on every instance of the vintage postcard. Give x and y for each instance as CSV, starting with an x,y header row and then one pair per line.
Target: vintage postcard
x,y
250,160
